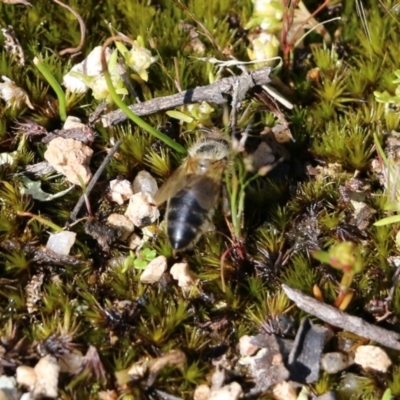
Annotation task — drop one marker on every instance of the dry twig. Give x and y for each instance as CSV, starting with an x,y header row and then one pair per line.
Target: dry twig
x,y
338,318
214,93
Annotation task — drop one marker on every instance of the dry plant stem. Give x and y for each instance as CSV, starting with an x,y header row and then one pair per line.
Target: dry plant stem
x,y
94,180
288,46
288,16
215,93
338,318
73,50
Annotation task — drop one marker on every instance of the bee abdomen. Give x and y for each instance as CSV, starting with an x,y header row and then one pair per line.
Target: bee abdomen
x,y
185,219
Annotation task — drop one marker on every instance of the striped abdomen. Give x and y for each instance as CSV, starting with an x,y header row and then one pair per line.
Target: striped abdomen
x,y
189,211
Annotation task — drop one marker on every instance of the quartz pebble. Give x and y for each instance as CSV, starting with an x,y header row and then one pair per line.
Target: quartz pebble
x,y
47,370
120,190
61,242
202,392
228,392
372,357
71,158
71,362
26,376
42,380
154,270
8,388
185,277
134,241
284,391
246,348
335,362
122,223
145,183
142,209
73,123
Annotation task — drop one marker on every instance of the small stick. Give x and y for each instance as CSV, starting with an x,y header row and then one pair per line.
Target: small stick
x,y
213,93
94,180
338,318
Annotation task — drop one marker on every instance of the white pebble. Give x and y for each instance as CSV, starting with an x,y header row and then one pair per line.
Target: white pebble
x,y
372,357
335,362
120,190
245,347
26,376
185,277
154,270
142,209
61,242
71,362
228,392
134,241
47,370
71,158
145,183
202,392
73,123
8,388
122,223
284,391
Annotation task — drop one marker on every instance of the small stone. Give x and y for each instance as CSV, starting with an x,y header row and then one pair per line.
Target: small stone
x,y
134,241
142,209
71,158
122,223
262,156
145,183
245,347
284,391
185,277
73,123
61,242
154,270
335,362
3,395
8,388
372,357
228,392
71,362
26,376
120,190
202,392
47,370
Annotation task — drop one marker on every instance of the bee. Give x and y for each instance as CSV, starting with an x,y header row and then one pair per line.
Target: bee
x,y
193,190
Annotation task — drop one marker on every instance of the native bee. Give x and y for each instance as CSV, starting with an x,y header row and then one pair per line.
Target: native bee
x,y
192,191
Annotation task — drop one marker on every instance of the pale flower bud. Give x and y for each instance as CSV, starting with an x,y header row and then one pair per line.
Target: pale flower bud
x,y
201,112
138,57
265,47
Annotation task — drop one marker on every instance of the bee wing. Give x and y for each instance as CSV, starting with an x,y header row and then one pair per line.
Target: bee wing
x,y
176,182
187,176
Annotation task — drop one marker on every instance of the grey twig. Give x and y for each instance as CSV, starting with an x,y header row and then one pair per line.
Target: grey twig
x,y
338,318
214,93
94,180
